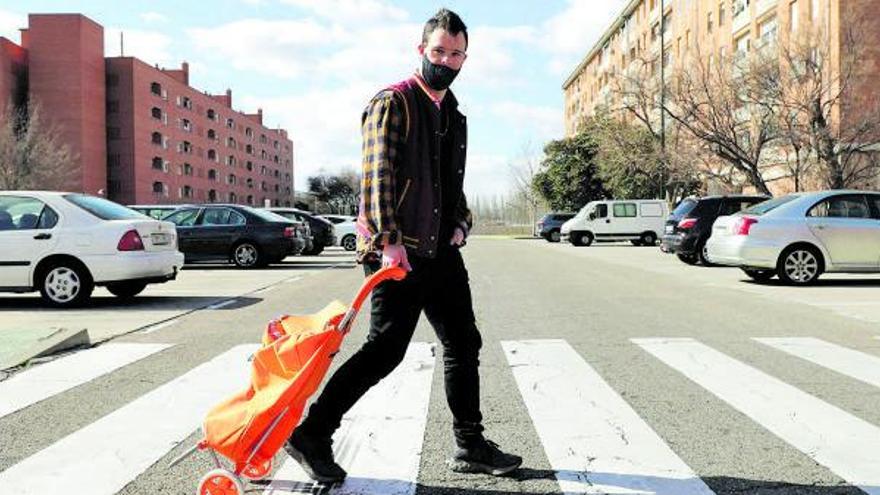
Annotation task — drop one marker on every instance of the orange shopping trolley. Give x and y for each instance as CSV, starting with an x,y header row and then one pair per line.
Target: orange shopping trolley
x,y
250,427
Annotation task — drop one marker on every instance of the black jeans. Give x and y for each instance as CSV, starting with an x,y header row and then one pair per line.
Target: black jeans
x,y
440,287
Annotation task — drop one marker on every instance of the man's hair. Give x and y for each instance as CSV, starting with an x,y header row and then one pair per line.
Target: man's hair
x,y
446,20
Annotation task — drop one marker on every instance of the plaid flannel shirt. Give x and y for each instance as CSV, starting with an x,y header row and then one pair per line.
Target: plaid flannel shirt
x,y
383,129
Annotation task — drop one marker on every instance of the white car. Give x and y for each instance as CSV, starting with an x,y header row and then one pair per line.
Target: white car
x,y
800,236
64,244
343,225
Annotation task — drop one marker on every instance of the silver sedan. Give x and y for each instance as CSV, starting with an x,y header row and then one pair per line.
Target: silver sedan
x,y
800,236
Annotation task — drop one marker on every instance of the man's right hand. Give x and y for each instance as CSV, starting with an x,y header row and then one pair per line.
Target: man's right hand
x,y
395,256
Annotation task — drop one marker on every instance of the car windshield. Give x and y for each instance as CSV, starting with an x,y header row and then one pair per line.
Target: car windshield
x,y
268,215
102,208
684,207
770,204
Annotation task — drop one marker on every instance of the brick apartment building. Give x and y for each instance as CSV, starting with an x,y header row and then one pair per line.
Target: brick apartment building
x,y
716,30
142,134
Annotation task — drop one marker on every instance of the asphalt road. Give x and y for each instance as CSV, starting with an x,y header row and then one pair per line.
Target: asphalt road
x,y
614,369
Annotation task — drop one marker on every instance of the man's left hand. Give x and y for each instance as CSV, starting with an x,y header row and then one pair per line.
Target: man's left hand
x,y
457,237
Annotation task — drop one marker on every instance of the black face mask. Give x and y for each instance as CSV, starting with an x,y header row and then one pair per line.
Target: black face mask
x,y
437,77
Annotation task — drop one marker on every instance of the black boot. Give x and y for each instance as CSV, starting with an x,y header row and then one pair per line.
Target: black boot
x,y
315,455
483,456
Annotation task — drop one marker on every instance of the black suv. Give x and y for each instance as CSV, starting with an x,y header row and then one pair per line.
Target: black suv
x,y
689,225
323,233
548,227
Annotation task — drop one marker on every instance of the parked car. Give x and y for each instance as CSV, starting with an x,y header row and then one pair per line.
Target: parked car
x,y
323,233
65,244
248,237
800,236
549,226
156,211
343,226
689,225
639,221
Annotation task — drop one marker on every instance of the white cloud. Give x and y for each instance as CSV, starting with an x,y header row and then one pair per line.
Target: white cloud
x,y
487,175
351,11
150,17
150,46
540,123
492,54
570,34
10,23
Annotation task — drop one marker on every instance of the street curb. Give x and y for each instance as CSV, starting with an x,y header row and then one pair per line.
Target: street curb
x,y
62,339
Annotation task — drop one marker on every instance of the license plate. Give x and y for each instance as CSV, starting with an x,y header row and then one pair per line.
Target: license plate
x,y
160,239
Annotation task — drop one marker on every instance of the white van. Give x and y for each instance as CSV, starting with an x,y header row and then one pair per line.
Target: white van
x,y
639,221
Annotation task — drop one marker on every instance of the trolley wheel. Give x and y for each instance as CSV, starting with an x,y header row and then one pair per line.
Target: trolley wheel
x,y
220,482
258,472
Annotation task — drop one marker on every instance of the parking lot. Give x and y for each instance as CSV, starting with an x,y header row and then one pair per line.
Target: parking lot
x,y
199,286
853,296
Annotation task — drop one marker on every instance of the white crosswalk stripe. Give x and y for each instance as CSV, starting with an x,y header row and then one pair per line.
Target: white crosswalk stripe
x,y
854,364
380,440
832,437
593,439
104,456
46,380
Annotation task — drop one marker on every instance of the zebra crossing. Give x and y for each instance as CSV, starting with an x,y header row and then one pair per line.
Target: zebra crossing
x,y
594,440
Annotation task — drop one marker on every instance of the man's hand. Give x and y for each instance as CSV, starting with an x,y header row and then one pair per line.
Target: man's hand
x,y
457,237
395,256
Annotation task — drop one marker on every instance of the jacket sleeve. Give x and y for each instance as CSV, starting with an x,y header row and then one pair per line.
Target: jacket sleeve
x,y
381,132
463,216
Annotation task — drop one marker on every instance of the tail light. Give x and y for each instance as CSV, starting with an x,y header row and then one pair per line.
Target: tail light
x,y
744,225
289,232
687,223
131,241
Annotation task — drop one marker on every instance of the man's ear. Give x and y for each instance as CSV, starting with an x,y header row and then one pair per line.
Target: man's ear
x,y
421,48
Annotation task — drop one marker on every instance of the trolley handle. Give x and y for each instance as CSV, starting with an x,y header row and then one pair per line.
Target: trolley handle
x,y
386,273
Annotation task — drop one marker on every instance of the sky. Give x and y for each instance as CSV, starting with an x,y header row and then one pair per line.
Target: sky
x,y
312,65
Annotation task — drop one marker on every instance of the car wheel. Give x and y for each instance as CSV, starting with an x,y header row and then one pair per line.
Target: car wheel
x,y
687,259
127,289
703,255
246,255
581,238
759,275
799,265
649,239
349,242
554,236
66,284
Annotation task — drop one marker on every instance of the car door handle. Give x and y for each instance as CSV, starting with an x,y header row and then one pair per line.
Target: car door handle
x,y
43,236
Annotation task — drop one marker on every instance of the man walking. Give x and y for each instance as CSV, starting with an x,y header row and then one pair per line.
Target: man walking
x,y
413,213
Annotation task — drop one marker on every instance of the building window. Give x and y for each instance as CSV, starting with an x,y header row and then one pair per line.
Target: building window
x,y
231,180
768,32
186,125
156,138
230,160
212,134
184,102
158,164
722,13
230,123
275,145
156,88
212,175
263,186
277,174
232,197
212,196
263,170
230,143
709,22
249,149
250,166
186,192
263,139
275,159
249,132
264,155
212,115
185,147
187,169
250,199
250,183
156,112
212,155
277,188
160,189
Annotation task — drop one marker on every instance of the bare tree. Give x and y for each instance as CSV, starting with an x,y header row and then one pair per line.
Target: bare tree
x,y
832,110
725,107
32,155
522,172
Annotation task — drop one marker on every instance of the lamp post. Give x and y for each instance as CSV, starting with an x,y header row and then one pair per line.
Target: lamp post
x,y
662,94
